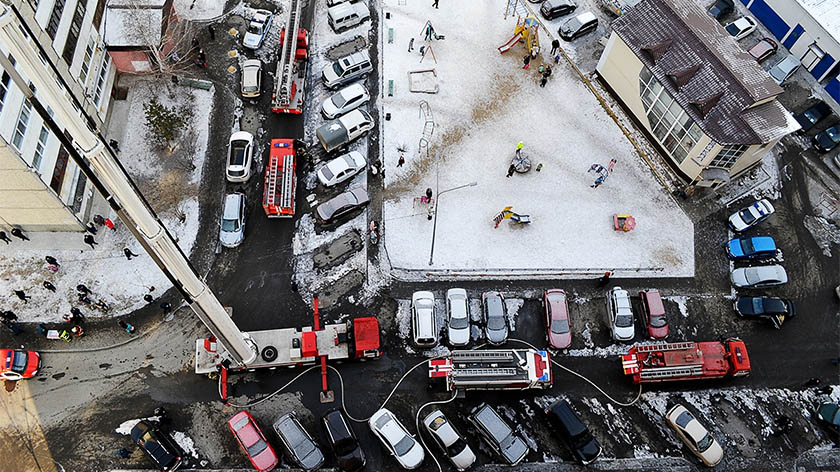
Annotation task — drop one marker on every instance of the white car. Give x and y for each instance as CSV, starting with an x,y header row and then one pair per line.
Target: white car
x,y
232,230
341,168
257,29
251,78
423,324
759,276
449,440
240,154
621,314
694,435
347,99
407,450
458,316
784,69
750,216
741,28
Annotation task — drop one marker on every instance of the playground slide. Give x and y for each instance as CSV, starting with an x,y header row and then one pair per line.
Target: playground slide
x,y
505,47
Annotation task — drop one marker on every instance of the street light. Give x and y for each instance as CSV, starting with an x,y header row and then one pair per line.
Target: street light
x,y
434,226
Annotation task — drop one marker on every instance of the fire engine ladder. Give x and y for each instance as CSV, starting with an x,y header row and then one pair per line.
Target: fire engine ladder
x,y
287,194
481,356
287,56
665,372
271,182
665,347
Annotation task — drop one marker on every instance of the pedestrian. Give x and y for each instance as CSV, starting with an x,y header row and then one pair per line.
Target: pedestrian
x,y
605,279
84,299
411,45
547,72
128,253
90,241
557,59
76,316
175,79
9,316
43,330
429,194
293,285
16,232
5,237
543,80
123,452
527,61
539,166
598,181
114,145
49,286
430,31
195,44
109,224
75,311
813,382
541,69
52,261
202,58
90,228
212,32
22,295
166,307
401,161
519,147
65,335
435,3
148,298
126,326
555,45
82,288
826,390
99,219
77,331
422,50
101,305
511,170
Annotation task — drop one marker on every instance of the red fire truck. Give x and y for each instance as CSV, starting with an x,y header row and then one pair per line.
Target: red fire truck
x,y
291,67
279,189
685,361
507,369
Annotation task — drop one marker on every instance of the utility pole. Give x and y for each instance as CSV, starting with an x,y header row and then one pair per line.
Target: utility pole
x,y
88,149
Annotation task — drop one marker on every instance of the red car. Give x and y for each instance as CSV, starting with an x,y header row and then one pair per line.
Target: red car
x,y
653,313
763,50
18,365
557,318
252,441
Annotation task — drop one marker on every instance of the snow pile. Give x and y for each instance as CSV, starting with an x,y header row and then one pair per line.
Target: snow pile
x,y
199,9
682,303
186,443
513,305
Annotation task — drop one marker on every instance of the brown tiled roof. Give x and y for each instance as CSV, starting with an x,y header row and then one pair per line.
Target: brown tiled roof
x,y
723,80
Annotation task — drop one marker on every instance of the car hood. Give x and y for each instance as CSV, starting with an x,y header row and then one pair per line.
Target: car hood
x,y
329,107
515,449
588,452
824,141
251,39
355,460
459,336
266,459
736,222
464,459
329,74
624,334
734,248
714,453
497,336
560,341
231,238
739,278
413,458
313,460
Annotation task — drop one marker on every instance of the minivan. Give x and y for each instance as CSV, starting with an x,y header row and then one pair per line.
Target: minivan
x,y
578,26
423,325
566,423
498,434
653,314
347,15
347,69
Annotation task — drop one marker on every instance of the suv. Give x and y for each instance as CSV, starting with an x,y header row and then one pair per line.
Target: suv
x,y
423,326
578,26
348,454
552,9
621,314
498,434
232,227
158,445
299,445
573,432
495,317
347,69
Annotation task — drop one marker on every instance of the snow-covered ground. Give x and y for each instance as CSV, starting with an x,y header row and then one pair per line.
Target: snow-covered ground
x,y
170,187
199,9
486,104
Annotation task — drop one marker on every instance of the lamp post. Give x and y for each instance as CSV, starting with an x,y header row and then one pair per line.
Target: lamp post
x,y
434,226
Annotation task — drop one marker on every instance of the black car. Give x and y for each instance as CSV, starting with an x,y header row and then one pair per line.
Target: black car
x,y
552,9
343,442
808,118
578,26
573,432
158,445
721,8
765,308
827,139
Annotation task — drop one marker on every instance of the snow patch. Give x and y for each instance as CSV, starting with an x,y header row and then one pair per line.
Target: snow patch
x,y
682,303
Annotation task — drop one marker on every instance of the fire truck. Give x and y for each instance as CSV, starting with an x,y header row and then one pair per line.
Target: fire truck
x,y
291,68
685,361
279,189
506,369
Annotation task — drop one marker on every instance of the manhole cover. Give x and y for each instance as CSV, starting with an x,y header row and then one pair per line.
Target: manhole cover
x,y
10,385
233,53
233,31
231,69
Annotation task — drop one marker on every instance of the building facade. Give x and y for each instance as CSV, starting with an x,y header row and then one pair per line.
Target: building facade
x,y
68,31
709,107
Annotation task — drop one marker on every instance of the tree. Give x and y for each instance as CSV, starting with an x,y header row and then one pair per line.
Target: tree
x,y
164,124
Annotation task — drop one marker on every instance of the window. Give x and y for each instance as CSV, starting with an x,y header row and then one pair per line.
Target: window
x,y
4,87
727,156
73,35
22,123
55,18
85,69
100,79
39,149
669,123
97,14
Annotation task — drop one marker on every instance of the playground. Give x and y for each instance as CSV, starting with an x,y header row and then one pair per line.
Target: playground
x,y
573,199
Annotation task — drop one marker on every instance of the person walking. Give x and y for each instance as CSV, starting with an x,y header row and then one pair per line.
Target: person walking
x,y
85,299
22,295
555,45
123,453
212,32
148,298
52,261
5,237
90,241
90,228
76,316
527,61
435,3
128,253
77,331
49,286
543,80
9,316
401,161
411,45
511,170
126,326
519,147
109,224
195,43
114,145
166,307
99,219
202,59
605,279
82,288
16,232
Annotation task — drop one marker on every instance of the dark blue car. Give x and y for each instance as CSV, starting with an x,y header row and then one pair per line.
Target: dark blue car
x,y
756,247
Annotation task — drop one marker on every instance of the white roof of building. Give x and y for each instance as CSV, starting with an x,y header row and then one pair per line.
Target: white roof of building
x,y
133,26
826,13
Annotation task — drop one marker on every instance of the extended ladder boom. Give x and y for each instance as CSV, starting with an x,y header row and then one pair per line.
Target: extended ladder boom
x,y
291,66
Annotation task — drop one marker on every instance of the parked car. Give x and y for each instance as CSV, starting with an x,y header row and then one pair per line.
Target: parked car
x,y
621,314
498,434
454,445
458,317
566,423
741,28
495,317
343,442
750,216
763,50
557,323
257,29
342,204
341,168
402,445
776,310
784,69
158,445
653,314
827,139
251,78
347,69
829,414
759,276
252,441
18,364
551,9
721,8
345,100
698,439
812,115
746,248
578,26
423,326
240,154
299,446
346,15
336,133
232,229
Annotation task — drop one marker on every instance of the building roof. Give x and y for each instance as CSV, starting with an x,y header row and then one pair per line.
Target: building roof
x,y
707,72
826,13
133,27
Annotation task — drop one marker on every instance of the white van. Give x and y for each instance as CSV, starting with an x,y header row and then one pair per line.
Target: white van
x,y
347,15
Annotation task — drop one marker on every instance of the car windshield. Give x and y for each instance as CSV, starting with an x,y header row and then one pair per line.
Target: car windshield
x,y
344,446
250,88
456,448
746,215
658,321
733,29
747,246
559,326
237,153
458,323
257,448
812,114
230,225
327,173
337,69
624,321
254,28
705,443
338,100
833,133
684,418
403,446
496,322
19,362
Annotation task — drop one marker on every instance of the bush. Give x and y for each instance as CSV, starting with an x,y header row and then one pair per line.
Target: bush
x,y
165,124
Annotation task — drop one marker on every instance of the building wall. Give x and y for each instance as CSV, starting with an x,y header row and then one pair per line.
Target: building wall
x,y
132,62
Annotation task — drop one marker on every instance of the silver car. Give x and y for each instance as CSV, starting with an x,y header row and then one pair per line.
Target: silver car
x,y
232,231
458,315
495,317
251,78
759,277
498,434
299,445
342,204
347,99
784,69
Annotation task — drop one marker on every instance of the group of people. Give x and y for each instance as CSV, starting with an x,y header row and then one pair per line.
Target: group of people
x,y
16,232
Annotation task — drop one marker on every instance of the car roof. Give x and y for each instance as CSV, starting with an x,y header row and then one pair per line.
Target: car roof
x,y
241,136
586,17
247,432
232,203
354,117
763,243
562,416
494,423
440,426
